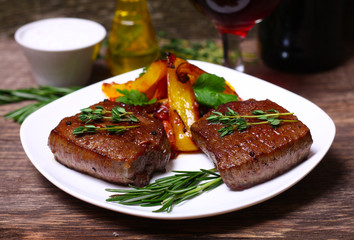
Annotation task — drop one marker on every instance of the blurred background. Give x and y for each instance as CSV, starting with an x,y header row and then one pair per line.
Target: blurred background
x,y
176,18
171,18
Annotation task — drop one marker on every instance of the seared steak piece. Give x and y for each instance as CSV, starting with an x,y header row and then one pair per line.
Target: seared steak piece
x,y
127,158
256,154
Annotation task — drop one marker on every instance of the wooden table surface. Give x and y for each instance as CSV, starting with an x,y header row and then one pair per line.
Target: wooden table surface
x,y
318,207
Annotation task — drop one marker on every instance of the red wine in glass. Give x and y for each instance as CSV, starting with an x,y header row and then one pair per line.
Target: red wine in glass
x,y
235,17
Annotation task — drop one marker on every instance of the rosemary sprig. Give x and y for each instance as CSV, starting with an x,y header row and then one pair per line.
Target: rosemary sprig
x,y
231,120
168,191
42,95
20,114
119,114
110,128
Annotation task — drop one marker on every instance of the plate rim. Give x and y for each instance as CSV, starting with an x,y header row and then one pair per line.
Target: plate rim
x,y
170,216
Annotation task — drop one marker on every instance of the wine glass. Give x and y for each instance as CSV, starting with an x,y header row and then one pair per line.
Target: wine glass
x,y
233,19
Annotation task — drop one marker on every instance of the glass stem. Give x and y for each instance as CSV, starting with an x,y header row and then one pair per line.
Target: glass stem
x,y
232,51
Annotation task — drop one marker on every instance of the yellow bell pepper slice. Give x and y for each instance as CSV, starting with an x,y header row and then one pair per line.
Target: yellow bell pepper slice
x,y
183,108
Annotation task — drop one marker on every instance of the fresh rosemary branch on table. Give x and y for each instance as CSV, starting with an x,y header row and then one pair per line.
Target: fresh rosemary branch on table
x,y
168,191
231,120
42,95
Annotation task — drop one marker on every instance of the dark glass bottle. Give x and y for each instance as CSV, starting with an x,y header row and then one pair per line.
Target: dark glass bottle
x,y
303,35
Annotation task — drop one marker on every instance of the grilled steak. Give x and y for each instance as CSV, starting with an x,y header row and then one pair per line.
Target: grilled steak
x,y
256,154
127,158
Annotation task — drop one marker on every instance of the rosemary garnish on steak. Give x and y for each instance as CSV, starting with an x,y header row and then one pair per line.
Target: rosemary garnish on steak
x,y
168,191
231,120
116,115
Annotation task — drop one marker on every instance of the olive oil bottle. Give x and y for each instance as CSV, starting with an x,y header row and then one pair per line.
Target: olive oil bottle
x,y
132,41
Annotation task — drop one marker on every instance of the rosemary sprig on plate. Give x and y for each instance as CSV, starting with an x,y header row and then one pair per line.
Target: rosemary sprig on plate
x,y
231,120
168,191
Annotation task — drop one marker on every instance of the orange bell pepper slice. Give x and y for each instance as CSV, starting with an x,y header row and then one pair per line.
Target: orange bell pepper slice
x,y
189,72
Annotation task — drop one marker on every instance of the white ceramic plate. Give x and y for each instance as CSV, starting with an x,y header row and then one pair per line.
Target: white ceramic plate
x,y
35,131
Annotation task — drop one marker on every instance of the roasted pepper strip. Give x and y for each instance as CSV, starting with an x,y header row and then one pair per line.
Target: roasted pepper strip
x,y
189,72
183,107
147,83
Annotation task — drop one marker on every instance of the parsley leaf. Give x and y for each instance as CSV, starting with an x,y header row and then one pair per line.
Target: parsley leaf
x,y
134,97
208,91
210,81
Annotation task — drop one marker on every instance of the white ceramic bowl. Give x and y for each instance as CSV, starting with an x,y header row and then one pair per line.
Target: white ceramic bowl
x,y
61,50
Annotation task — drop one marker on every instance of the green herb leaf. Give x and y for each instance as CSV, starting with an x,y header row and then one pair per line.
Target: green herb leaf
x,y
134,97
119,114
211,82
89,115
274,121
258,112
208,91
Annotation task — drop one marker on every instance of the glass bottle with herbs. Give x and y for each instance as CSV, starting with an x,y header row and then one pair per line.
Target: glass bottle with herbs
x,y
132,41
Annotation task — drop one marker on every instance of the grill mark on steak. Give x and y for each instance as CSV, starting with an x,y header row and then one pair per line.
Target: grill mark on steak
x,y
127,158
256,154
